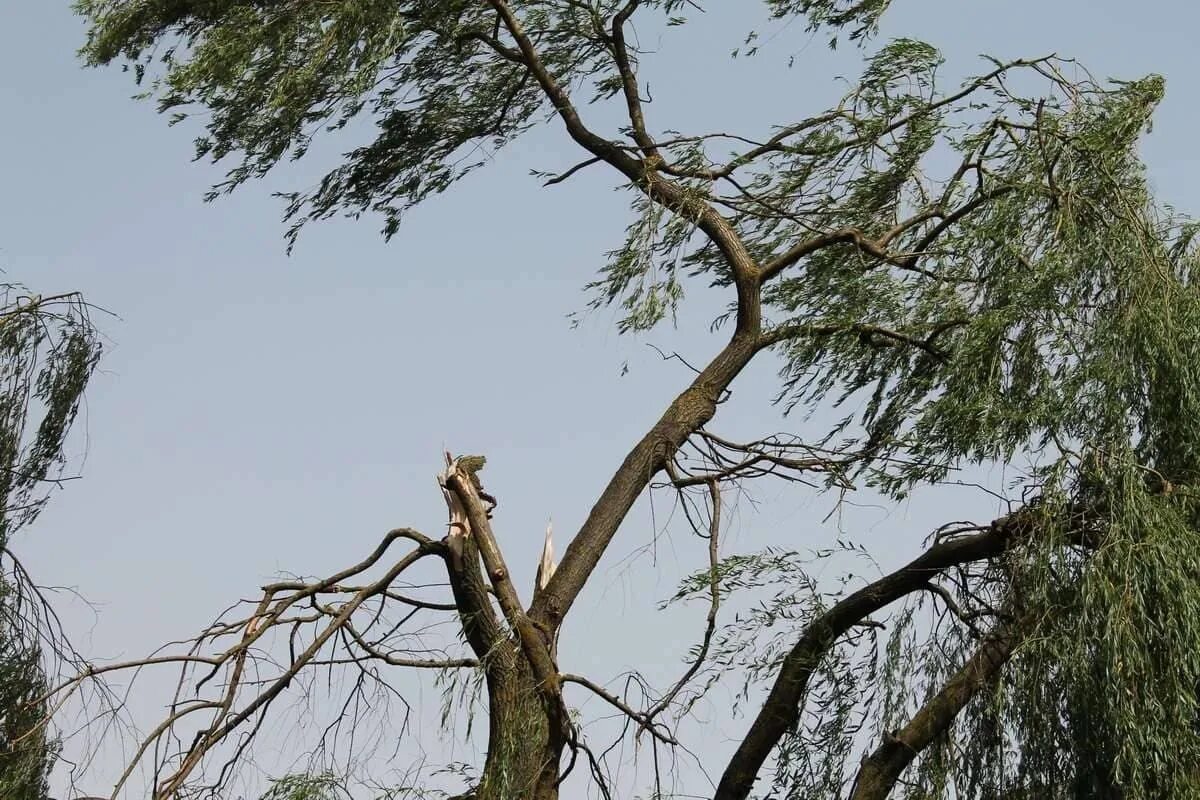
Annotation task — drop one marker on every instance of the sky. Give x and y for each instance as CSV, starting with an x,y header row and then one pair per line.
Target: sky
x,y
257,413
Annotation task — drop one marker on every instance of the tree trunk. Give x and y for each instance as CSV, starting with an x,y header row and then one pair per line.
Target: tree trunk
x,y
523,755
527,721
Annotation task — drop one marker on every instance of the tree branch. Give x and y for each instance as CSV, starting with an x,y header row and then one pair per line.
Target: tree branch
x,y
781,710
644,721
226,719
784,332
724,460
880,770
697,404
690,411
641,172
778,142
480,625
633,101
714,602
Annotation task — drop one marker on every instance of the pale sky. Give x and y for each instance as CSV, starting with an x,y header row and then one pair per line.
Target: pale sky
x,y
257,413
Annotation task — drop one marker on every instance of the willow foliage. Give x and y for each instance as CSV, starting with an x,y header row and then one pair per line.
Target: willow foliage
x,y
26,751
48,349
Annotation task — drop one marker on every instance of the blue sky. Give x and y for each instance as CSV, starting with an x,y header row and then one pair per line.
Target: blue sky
x,y
257,413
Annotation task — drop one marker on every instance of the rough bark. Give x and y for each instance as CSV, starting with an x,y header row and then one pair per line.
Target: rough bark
x,y
527,722
523,757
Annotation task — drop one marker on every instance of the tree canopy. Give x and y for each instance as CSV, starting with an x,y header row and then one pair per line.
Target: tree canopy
x,y
973,274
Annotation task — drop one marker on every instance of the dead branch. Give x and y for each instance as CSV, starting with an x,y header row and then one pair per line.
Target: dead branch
x,y
779,455
535,643
231,648
644,722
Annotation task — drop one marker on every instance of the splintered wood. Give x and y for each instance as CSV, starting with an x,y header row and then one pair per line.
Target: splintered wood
x,y
460,526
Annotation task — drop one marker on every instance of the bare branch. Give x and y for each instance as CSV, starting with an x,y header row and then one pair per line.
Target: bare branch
x,y
534,643
227,719
657,730
565,175
714,594
724,460
244,694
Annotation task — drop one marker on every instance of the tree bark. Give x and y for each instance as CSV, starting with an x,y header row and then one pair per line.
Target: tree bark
x,y
527,721
524,750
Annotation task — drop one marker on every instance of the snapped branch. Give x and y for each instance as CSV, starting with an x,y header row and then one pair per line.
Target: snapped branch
x,y
479,529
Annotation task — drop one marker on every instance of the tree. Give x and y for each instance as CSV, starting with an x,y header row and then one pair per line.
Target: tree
x,y
973,274
48,349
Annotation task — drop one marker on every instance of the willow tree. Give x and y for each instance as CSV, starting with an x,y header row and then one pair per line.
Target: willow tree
x,y
971,274
48,349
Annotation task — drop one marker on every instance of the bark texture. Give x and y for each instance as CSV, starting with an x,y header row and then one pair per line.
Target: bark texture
x,y
527,721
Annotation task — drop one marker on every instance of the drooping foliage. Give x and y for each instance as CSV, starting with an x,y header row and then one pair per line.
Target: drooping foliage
x,y
271,76
48,350
974,273
26,751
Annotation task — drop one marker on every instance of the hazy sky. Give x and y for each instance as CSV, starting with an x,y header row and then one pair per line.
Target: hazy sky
x,y
257,413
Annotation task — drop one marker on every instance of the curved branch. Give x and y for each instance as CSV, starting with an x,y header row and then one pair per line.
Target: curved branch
x,y
417,663
643,720
781,710
714,602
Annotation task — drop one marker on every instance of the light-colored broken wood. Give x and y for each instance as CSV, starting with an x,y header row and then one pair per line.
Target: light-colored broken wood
x,y
459,524
546,565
